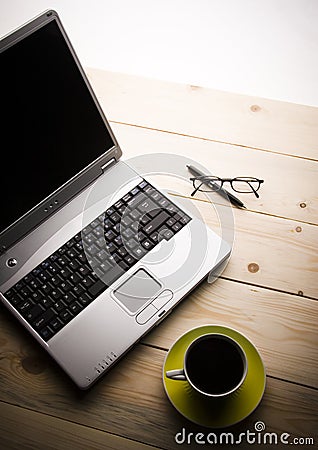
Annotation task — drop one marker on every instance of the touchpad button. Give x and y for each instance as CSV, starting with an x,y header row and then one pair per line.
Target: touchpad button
x,y
137,290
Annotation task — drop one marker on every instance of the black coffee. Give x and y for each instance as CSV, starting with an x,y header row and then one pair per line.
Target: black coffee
x,y
215,365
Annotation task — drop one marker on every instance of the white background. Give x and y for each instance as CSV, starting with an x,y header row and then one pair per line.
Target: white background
x,y
266,48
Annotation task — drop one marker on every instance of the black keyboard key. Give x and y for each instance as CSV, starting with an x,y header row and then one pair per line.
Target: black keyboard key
x,y
134,202
78,290
92,250
56,281
66,286
59,306
154,212
128,233
118,204
115,217
66,316
98,232
147,205
68,298
15,299
46,333
176,227
25,291
75,308
28,278
126,221
53,268
147,244
112,275
72,253
145,219
149,189
89,239
184,220
123,265
171,221
168,234
143,184
156,222
44,276
19,285
135,214
130,260
82,257
43,319
138,252
134,191
33,313
85,299
110,235
132,243
24,307
46,302
46,288
122,251
55,294
74,278
110,248
114,258
84,270
87,282
118,241
63,261
127,197
56,324
163,202
97,288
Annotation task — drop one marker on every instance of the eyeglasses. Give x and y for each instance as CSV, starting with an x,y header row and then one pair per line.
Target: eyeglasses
x,y
243,185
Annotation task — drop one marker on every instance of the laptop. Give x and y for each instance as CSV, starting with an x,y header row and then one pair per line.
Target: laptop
x,y
92,254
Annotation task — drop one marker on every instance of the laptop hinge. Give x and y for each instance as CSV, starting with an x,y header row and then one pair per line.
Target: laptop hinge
x,y
108,164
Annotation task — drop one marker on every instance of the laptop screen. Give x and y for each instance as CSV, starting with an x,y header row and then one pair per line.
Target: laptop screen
x,y
51,128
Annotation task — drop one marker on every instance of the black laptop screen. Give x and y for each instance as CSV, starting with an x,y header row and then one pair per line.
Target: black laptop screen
x,y
51,128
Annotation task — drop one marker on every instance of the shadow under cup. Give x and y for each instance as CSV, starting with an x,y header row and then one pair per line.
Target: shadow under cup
x,y
215,365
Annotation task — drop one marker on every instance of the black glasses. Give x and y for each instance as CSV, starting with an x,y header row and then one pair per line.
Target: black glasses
x,y
243,185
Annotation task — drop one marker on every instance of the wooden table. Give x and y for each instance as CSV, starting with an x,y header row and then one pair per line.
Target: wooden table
x,y
269,290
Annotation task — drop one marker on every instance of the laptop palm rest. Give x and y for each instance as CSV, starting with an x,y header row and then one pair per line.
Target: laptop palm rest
x,y
137,290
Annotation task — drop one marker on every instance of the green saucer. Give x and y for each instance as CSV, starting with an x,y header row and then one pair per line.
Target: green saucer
x,y
215,413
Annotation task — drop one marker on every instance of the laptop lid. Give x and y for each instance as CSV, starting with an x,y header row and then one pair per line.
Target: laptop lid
x,y
54,136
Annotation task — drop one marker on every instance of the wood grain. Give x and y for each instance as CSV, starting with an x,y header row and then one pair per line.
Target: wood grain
x,y
206,113
24,429
283,327
130,400
267,251
290,187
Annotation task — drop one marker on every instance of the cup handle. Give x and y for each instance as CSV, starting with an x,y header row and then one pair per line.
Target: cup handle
x,y
177,374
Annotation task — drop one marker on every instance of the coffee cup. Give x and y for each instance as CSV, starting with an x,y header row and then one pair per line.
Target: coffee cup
x,y
215,365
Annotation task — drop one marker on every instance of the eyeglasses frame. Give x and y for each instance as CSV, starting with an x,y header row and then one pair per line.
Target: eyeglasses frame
x,y
207,179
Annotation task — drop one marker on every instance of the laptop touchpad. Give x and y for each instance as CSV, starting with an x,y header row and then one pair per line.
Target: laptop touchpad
x,y
137,290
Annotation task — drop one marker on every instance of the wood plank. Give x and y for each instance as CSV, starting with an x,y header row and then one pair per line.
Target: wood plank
x,y
267,251
283,327
210,114
25,429
130,400
289,187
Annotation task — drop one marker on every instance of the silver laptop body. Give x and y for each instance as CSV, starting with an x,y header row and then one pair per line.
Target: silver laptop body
x,y
91,332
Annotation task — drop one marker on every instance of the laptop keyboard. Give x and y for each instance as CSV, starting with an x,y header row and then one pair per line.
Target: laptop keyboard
x,y
66,282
